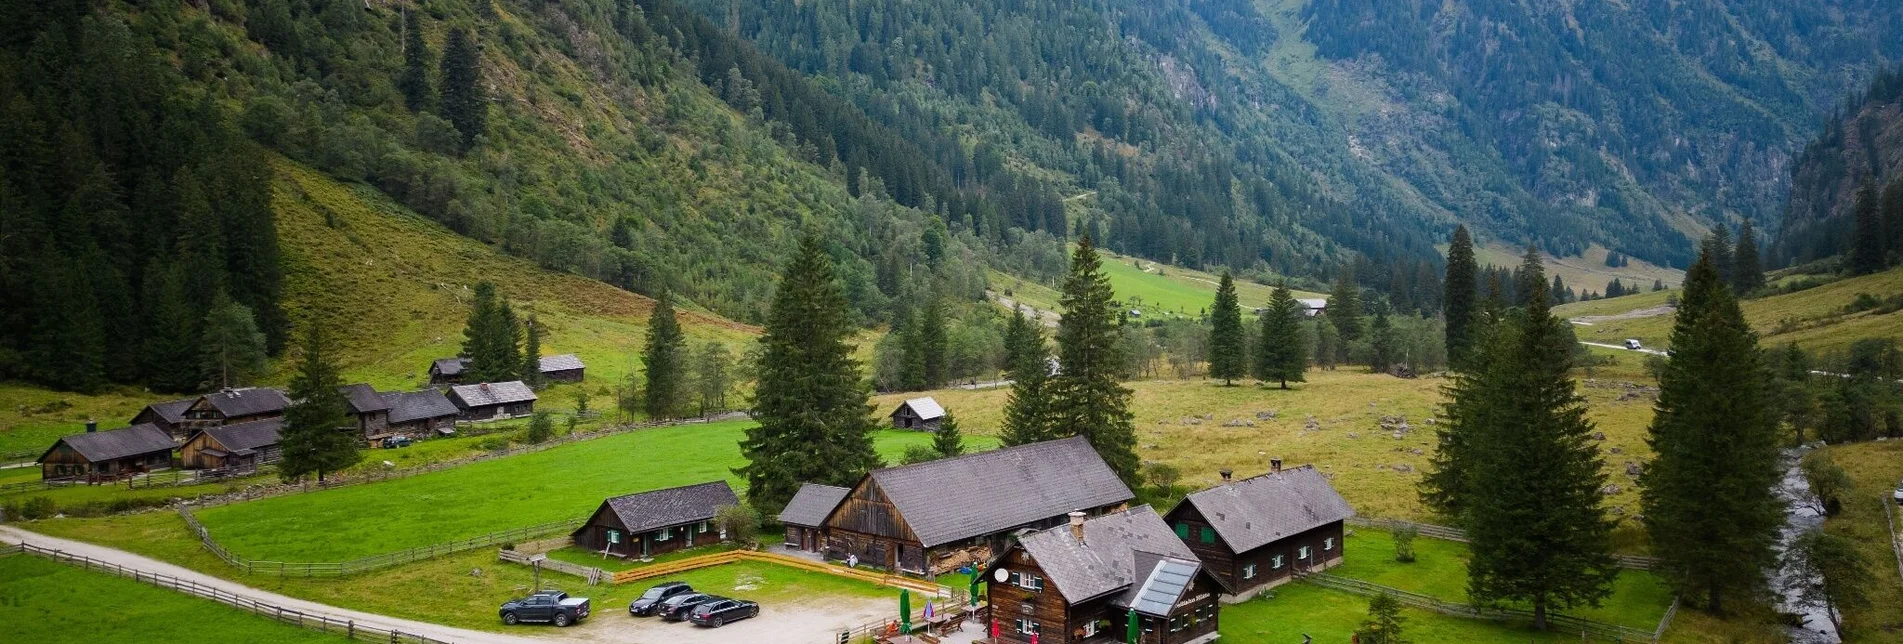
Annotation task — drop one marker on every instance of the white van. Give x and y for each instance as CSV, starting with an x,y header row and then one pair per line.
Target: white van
x,y
1633,344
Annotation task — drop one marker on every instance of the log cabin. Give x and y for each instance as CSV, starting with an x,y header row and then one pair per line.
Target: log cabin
x,y
493,400
922,414
420,414
1083,581
232,406
805,515
103,456
657,522
934,517
371,410
241,447
168,415
562,368
447,371
1258,532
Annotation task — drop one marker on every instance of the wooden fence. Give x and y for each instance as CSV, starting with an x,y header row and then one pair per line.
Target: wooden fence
x,y
1896,537
301,618
731,556
373,562
1586,628
592,574
1631,562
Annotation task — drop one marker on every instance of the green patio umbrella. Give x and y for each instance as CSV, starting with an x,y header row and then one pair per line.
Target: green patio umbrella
x,y
1131,630
905,612
974,589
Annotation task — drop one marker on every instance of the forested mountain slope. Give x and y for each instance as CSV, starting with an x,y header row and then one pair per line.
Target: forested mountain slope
x,y
1860,146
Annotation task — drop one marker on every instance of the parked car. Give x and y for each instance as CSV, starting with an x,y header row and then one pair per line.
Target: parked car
x,y
722,610
678,607
649,603
394,442
550,606
1633,344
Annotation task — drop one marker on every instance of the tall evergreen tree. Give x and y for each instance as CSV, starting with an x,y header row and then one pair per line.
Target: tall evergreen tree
x,y
233,348
1344,309
1027,363
1327,343
932,342
1529,278
1228,355
531,373
810,401
1086,396
1461,289
1891,210
1718,245
1281,354
416,63
666,358
1383,341
1559,294
491,338
461,97
947,440
1866,241
911,339
1747,264
1708,494
713,377
68,341
317,434
171,338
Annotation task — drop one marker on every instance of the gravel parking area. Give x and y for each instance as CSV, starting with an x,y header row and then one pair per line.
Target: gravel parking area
x,y
812,621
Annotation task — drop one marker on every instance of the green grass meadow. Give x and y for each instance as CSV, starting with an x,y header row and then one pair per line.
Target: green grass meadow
x,y
44,602
1814,318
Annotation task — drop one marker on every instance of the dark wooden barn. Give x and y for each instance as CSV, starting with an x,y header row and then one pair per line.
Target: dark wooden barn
x,y
447,371
1081,582
493,400
168,415
922,414
562,368
370,409
421,414
232,406
103,456
805,515
1258,532
937,516
240,448
657,522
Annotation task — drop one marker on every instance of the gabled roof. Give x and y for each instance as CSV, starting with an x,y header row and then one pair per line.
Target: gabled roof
x,y
256,434
1256,511
449,366
406,406
958,498
563,362
492,393
248,401
143,438
925,408
811,504
1106,561
671,507
1313,303
171,411
363,399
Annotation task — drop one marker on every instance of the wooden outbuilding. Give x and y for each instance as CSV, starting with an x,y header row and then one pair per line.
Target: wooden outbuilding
x,y
447,371
1082,582
369,408
805,515
240,448
420,414
168,415
109,455
1258,532
562,368
937,516
493,400
651,523
923,414
232,406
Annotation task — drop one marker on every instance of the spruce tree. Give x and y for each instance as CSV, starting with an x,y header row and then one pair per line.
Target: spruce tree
x,y
1384,622
1559,291
1866,241
317,434
462,101
947,440
713,377
1708,495
233,347
491,338
1086,396
416,62
666,358
1461,289
1747,265
171,353
1382,338
1281,354
1529,278
932,343
810,401
1027,363
911,339
1228,357
1344,309
1891,210
1718,245
1327,342
531,373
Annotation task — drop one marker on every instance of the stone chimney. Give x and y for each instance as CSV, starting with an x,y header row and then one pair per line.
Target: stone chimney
x,y
1275,465
92,426
1227,475
1077,525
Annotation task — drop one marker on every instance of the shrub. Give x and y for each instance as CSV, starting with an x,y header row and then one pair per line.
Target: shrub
x,y
741,523
39,507
541,428
1404,542
919,454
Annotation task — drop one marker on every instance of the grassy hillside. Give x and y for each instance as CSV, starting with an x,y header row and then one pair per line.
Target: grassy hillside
x,y
1817,319
1153,288
1584,272
1876,469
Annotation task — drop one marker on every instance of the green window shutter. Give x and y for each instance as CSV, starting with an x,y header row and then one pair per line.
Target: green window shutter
x,y
1209,535
1182,530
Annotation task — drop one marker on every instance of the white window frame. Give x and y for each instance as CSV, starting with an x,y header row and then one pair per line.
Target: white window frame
x,y
1275,563
1248,571
703,526
1090,628
1328,544
1302,553
1027,626
662,536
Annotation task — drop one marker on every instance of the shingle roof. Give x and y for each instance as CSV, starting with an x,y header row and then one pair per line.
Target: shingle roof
x,y
1106,561
248,401
143,438
979,494
406,406
1256,511
925,408
811,504
671,507
449,366
252,435
563,362
363,398
493,393
172,411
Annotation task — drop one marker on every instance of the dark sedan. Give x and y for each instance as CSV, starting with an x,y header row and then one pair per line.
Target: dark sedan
x,y
649,603
721,610
678,607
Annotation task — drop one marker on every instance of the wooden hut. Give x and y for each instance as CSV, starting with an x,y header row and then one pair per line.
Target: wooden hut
x,y
657,522
493,400
168,415
447,371
369,408
102,456
1081,582
805,515
937,516
923,414
420,414
562,368
241,447
1258,532
232,406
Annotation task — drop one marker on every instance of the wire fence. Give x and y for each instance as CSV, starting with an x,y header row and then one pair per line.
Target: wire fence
x,y
296,617
592,574
1587,628
1631,562
373,562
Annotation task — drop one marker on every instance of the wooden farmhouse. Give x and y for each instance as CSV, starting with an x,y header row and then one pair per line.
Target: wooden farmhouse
x,y
1083,581
447,371
493,400
922,414
934,517
103,456
651,523
168,415
415,414
1258,532
241,447
232,406
562,368
369,408
805,515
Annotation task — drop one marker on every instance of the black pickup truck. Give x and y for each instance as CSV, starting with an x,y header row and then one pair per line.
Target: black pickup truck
x,y
551,606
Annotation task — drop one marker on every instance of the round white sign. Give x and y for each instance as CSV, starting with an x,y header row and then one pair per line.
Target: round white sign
x,y
1001,575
